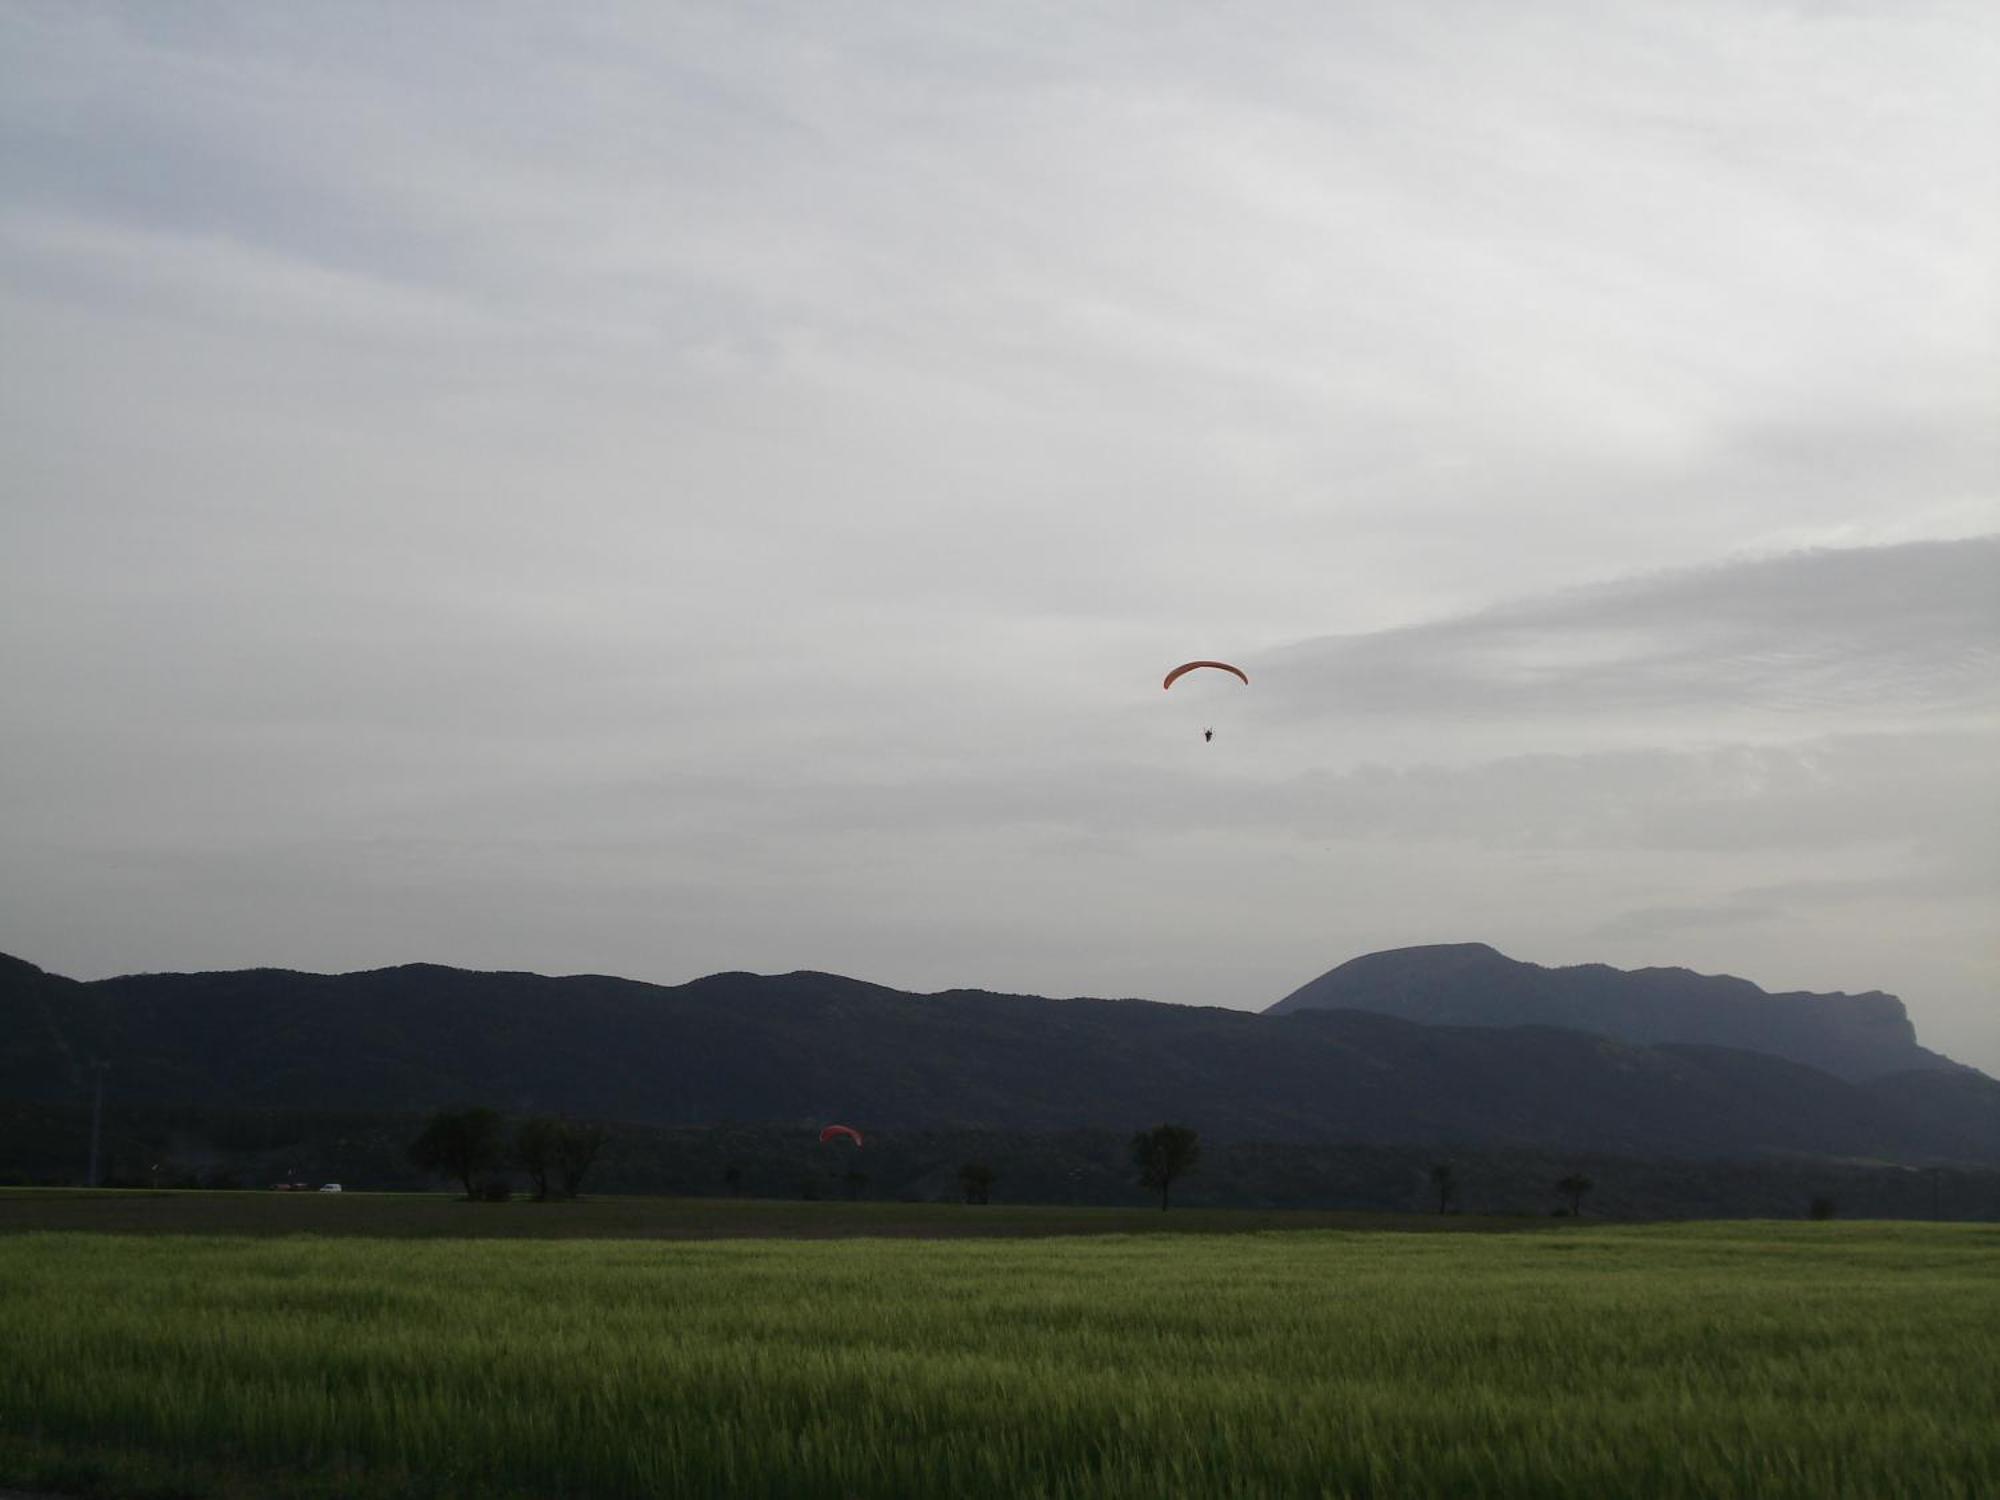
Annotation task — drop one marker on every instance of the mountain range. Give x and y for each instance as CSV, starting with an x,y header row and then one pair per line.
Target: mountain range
x,y
1445,1045
1470,984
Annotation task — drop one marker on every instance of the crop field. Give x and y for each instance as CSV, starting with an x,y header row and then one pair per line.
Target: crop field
x,y
1749,1359
443,1216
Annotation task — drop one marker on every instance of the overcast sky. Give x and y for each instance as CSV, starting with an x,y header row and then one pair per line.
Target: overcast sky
x,y
655,489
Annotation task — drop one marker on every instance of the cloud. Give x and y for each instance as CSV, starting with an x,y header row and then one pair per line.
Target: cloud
x,y
1245,325
1810,639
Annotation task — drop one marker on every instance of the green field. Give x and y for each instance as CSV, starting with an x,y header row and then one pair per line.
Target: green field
x,y
1749,1359
443,1216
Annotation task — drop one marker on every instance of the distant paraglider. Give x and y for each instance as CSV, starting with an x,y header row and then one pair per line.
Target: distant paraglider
x,y
835,1132
1188,666
1207,735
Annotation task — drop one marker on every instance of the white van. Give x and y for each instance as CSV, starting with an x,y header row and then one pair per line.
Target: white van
x,y
329,1187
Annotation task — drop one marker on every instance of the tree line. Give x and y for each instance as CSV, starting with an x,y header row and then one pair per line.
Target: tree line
x,y
470,1143
1168,1152
1162,1156
1572,1187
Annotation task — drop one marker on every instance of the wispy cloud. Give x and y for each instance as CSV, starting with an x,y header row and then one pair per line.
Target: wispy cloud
x,y
1821,638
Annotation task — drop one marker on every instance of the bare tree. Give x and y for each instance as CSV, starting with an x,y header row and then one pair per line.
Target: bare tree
x,y
576,1146
1573,1187
1164,1153
1444,1181
976,1179
535,1151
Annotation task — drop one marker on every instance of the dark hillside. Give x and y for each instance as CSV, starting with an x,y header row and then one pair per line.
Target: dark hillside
x,y
1470,984
808,1047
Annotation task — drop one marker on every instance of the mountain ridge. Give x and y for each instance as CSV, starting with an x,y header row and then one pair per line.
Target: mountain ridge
x,y
741,1047
1857,1036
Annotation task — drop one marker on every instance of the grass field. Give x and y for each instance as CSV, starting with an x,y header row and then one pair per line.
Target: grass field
x,y
1800,1360
443,1216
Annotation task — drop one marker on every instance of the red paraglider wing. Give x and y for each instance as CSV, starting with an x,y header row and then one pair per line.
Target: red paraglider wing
x,y
832,1131
1188,666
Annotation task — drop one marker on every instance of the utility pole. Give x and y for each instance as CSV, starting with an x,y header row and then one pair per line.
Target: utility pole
x,y
96,1118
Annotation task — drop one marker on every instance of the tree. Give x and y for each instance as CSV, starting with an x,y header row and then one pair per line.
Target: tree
x,y
1573,1187
976,1179
1444,1178
535,1151
1822,1207
577,1146
1164,1153
459,1143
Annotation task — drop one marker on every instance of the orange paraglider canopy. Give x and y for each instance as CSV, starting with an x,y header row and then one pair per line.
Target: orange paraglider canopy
x,y
1188,666
833,1131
